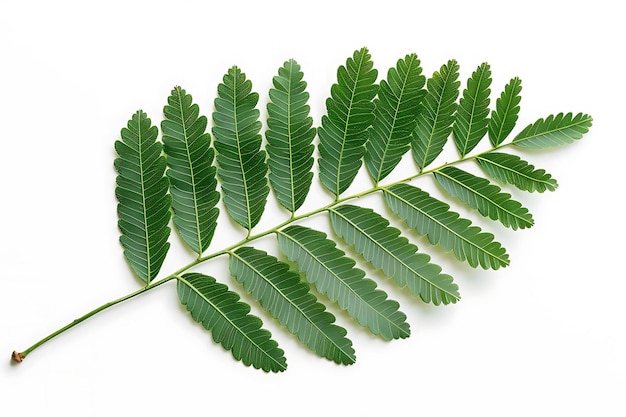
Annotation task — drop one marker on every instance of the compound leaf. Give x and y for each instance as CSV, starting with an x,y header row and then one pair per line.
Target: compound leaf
x,y
350,112
434,219
554,131
504,116
394,117
191,172
479,194
220,311
179,178
241,163
435,114
335,275
511,169
380,244
282,293
290,137
471,118
143,200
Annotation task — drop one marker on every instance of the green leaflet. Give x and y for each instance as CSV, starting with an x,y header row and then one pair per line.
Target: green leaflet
x,y
191,173
435,115
220,311
434,219
350,112
381,245
289,301
511,169
144,204
471,118
335,276
553,131
478,193
394,117
290,137
241,164
504,116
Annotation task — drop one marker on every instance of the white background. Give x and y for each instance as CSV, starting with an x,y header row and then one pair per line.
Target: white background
x,y
543,337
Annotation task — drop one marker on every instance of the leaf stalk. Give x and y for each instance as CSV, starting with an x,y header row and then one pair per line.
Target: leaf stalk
x,y
20,356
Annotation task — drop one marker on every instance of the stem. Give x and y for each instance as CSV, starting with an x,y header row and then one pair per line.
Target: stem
x,y
20,356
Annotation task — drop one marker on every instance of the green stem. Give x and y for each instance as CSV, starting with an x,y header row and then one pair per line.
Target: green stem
x,y
20,356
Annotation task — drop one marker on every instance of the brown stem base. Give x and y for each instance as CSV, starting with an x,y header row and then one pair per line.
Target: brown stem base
x,y
17,357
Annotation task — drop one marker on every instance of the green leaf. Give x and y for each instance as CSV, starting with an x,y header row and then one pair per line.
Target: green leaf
x,y
380,244
471,119
290,137
558,130
350,112
479,194
511,169
241,164
335,275
394,117
144,204
434,219
191,173
436,114
220,311
179,178
289,301
504,116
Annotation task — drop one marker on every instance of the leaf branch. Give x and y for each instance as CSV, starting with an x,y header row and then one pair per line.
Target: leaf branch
x,y
366,123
